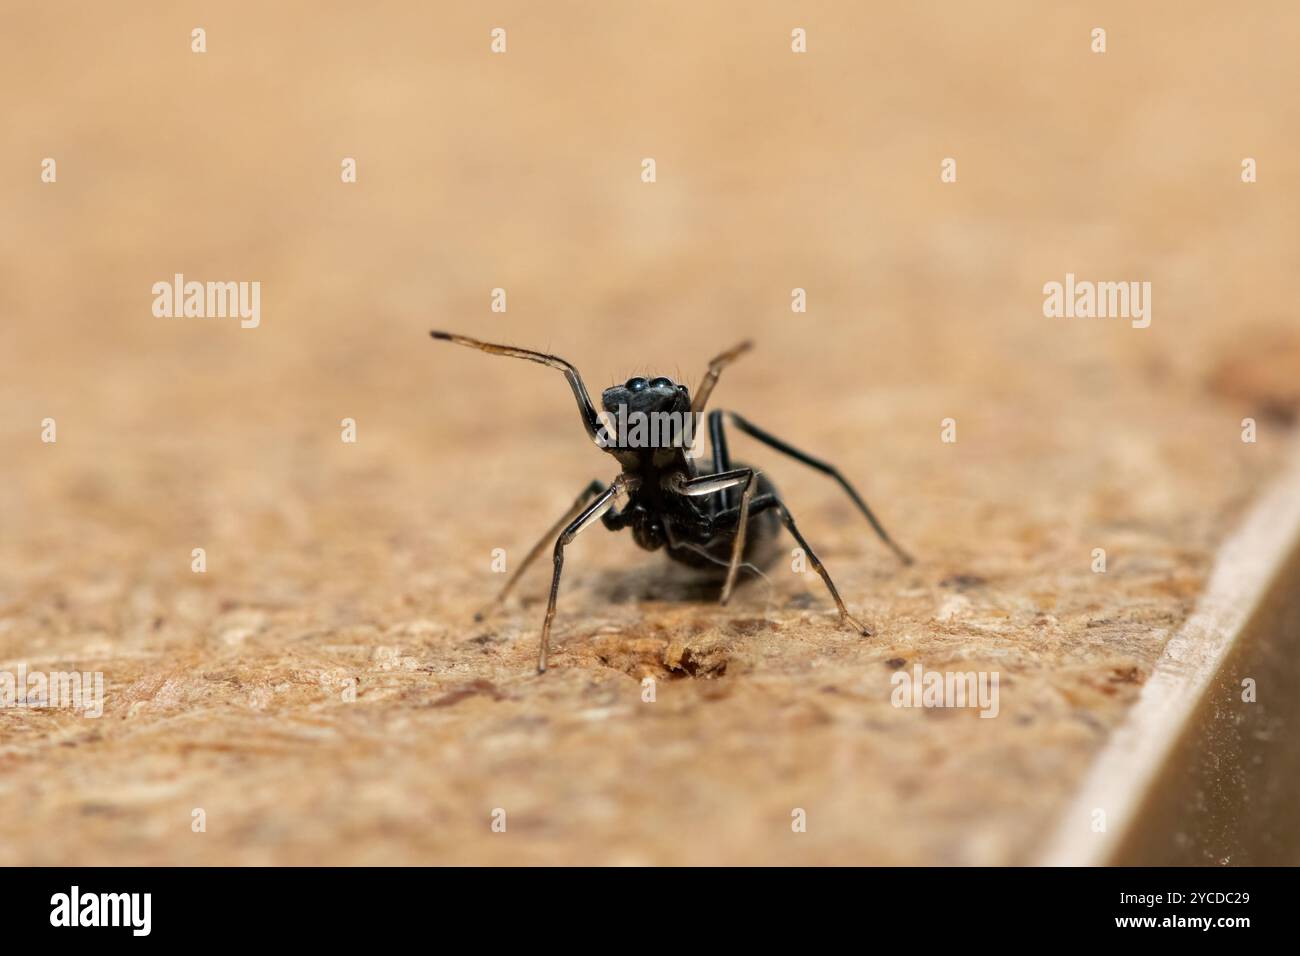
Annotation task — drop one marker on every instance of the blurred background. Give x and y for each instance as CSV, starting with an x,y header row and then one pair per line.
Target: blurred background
x,y
522,171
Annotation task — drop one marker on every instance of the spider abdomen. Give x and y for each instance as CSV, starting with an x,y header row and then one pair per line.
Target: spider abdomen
x,y
714,551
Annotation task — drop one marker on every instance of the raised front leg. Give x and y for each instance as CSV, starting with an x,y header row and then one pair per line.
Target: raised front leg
x,y
716,366
588,411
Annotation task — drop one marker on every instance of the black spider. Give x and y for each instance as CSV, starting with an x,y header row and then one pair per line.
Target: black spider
x,y
708,518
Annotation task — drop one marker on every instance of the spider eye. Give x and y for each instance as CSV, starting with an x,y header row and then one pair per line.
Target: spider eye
x,y
661,383
636,385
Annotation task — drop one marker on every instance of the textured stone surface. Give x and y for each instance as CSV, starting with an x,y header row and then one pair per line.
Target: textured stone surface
x,y
330,563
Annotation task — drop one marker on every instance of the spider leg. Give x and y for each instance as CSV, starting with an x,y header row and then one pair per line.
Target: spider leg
x,y
721,457
592,513
675,542
766,501
590,421
719,484
592,489
711,376
827,469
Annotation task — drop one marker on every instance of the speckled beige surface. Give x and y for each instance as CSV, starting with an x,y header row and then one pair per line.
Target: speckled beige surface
x,y
330,562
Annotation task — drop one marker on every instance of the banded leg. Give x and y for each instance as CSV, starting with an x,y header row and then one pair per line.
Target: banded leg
x,y
592,489
825,468
591,514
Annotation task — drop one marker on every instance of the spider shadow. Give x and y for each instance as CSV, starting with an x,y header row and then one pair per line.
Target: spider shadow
x,y
672,583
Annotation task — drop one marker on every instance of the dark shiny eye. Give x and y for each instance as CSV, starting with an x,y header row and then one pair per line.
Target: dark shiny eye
x,y
661,383
636,385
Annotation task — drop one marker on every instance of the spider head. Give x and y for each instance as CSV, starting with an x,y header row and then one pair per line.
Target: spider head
x,y
646,396
647,418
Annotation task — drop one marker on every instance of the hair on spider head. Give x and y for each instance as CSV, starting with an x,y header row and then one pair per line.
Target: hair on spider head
x,y
639,394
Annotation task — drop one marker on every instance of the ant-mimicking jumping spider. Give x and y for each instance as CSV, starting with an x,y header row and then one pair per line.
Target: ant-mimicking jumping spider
x,y
669,500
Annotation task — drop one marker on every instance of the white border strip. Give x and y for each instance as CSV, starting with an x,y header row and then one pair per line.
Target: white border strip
x,y
1124,772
